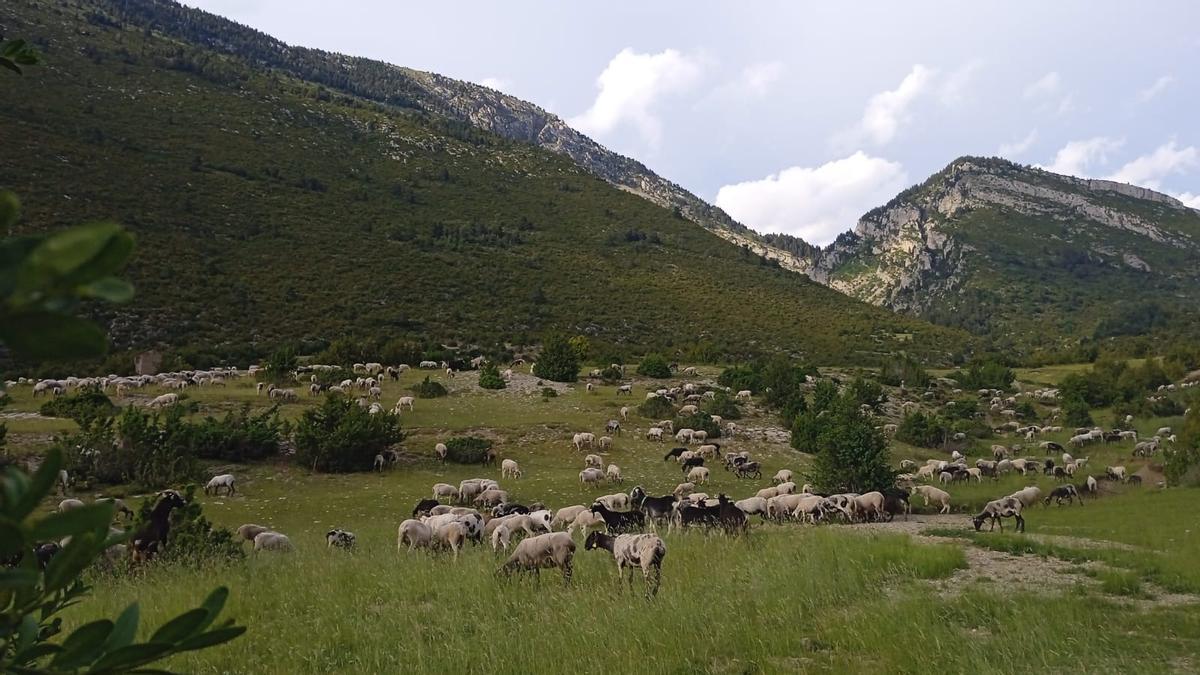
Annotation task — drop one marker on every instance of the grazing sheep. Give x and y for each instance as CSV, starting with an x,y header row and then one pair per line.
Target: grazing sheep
x,y
249,531
683,490
63,481
624,413
932,494
613,473
782,476
404,402
165,400
566,515
633,550
555,549
272,541
491,498
594,461
445,491
744,395
1063,493
1028,496
1115,473
654,434
583,440
605,442
586,521
69,504
510,469
340,539
452,535
215,484
625,389
698,474
753,505
591,476
997,510
616,502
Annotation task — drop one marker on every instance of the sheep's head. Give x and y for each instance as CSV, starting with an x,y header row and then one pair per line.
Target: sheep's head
x,y
978,521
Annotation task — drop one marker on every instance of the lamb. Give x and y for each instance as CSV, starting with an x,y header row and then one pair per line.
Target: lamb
x,y
451,534
617,502
629,550
613,473
469,489
593,461
767,493
404,402
272,541
932,494
215,484
1063,492
625,389
284,395
782,476
585,521
698,474
786,488
591,476
1007,507
510,469
249,531
445,490
555,549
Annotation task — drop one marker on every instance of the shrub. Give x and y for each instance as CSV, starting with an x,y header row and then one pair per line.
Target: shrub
x,y
926,431
654,365
558,361
341,436
962,409
853,455
903,368
154,449
549,392
239,436
739,378
1076,412
1026,410
867,392
1182,464
427,388
328,378
657,408
985,375
490,378
610,375
467,449
280,367
701,421
83,406
723,405
194,540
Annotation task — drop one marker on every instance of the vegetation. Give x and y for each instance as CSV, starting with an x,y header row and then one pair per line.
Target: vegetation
x,y
986,374
926,431
84,406
656,408
851,454
490,378
903,369
467,449
195,541
654,365
1182,463
428,388
340,436
559,361
280,367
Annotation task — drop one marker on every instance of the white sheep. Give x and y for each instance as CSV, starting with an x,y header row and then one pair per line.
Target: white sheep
x,y
932,494
566,515
593,461
492,497
1028,496
605,442
585,521
654,434
613,473
624,413
164,400
782,476
249,531
555,549
68,504
698,474
510,469
445,491
744,395
591,476
272,541
752,505
615,502
683,490
452,535
404,402
214,485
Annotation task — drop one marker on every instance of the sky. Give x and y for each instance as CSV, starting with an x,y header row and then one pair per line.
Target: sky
x,y
798,117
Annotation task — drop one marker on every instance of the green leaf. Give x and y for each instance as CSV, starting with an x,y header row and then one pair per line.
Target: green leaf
x,y
110,288
65,567
213,604
66,252
88,518
40,486
83,645
10,209
18,578
181,627
36,652
12,539
120,660
44,335
27,633
5,63
124,630
212,638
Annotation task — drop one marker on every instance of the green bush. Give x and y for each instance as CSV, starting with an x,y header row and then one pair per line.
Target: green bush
x,y
853,455
867,392
1076,412
701,421
902,368
195,541
427,388
724,405
654,365
657,408
83,406
490,378
549,392
1182,462
467,449
961,409
328,378
985,375
280,367
341,436
610,375
558,362
154,449
239,436
925,431
739,378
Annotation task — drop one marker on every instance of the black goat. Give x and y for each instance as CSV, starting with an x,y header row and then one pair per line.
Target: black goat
x,y
675,452
152,537
691,462
424,506
655,508
1134,480
699,514
619,521
895,500
729,516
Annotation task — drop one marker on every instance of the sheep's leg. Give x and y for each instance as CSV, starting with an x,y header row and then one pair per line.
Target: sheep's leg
x,y
567,572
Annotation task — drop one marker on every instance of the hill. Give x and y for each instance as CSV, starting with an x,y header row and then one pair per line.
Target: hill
x,y
1030,258
273,208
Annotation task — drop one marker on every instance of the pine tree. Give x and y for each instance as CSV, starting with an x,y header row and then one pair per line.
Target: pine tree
x,y
558,361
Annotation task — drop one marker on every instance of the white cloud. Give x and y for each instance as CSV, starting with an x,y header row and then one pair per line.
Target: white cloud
x,y
954,87
1066,104
758,77
1045,85
1160,85
1018,148
1078,157
815,203
630,86
1149,170
1189,199
888,110
497,83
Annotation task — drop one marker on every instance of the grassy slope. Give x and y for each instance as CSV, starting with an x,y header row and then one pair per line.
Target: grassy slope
x,y
416,228
787,598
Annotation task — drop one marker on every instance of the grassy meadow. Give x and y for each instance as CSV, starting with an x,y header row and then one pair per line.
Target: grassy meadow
x,y
917,596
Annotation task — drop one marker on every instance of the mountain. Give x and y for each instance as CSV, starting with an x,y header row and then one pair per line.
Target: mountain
x,y
1031,258
284,194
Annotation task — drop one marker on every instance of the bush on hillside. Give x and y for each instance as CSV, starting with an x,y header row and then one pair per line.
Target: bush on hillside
x,y
490,378
739,378
239,436
654,365
341,436
866,392
467,449
280,367
985,375
1076,412
328,378
83,406
657,408
902,368
549,392
194,541
427,388
921,430
558,361
723,405
701,421
1182,463
149,450
852,455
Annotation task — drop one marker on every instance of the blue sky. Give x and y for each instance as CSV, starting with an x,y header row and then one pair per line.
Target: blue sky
x,y
798,117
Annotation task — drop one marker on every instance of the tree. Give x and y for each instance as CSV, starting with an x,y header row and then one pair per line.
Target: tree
x,y
654,365
926,431
1076,412
558,361
903,368
280,366
582,347
341,436
490,378
1182,462
853,455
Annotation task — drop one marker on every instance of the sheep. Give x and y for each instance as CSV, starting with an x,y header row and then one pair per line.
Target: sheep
x,y
747,470
629,550
555,549
617,502
404,402
284,395
119,506
945,477
996,510
491,498
698,474
215,484
586,521
613,473
249,531
165,400
654,434
1028,496
624,413
699,436
272,541
683,490
743,395
688,410
444,490
69,504
767,493
1164,431
625,389
1091,485
932,494
510,469
62,481
869,505
782,476
1115,472
685,435
753,505
451,534
593,461
340,539
591,476
583,440
566,515
1069,493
